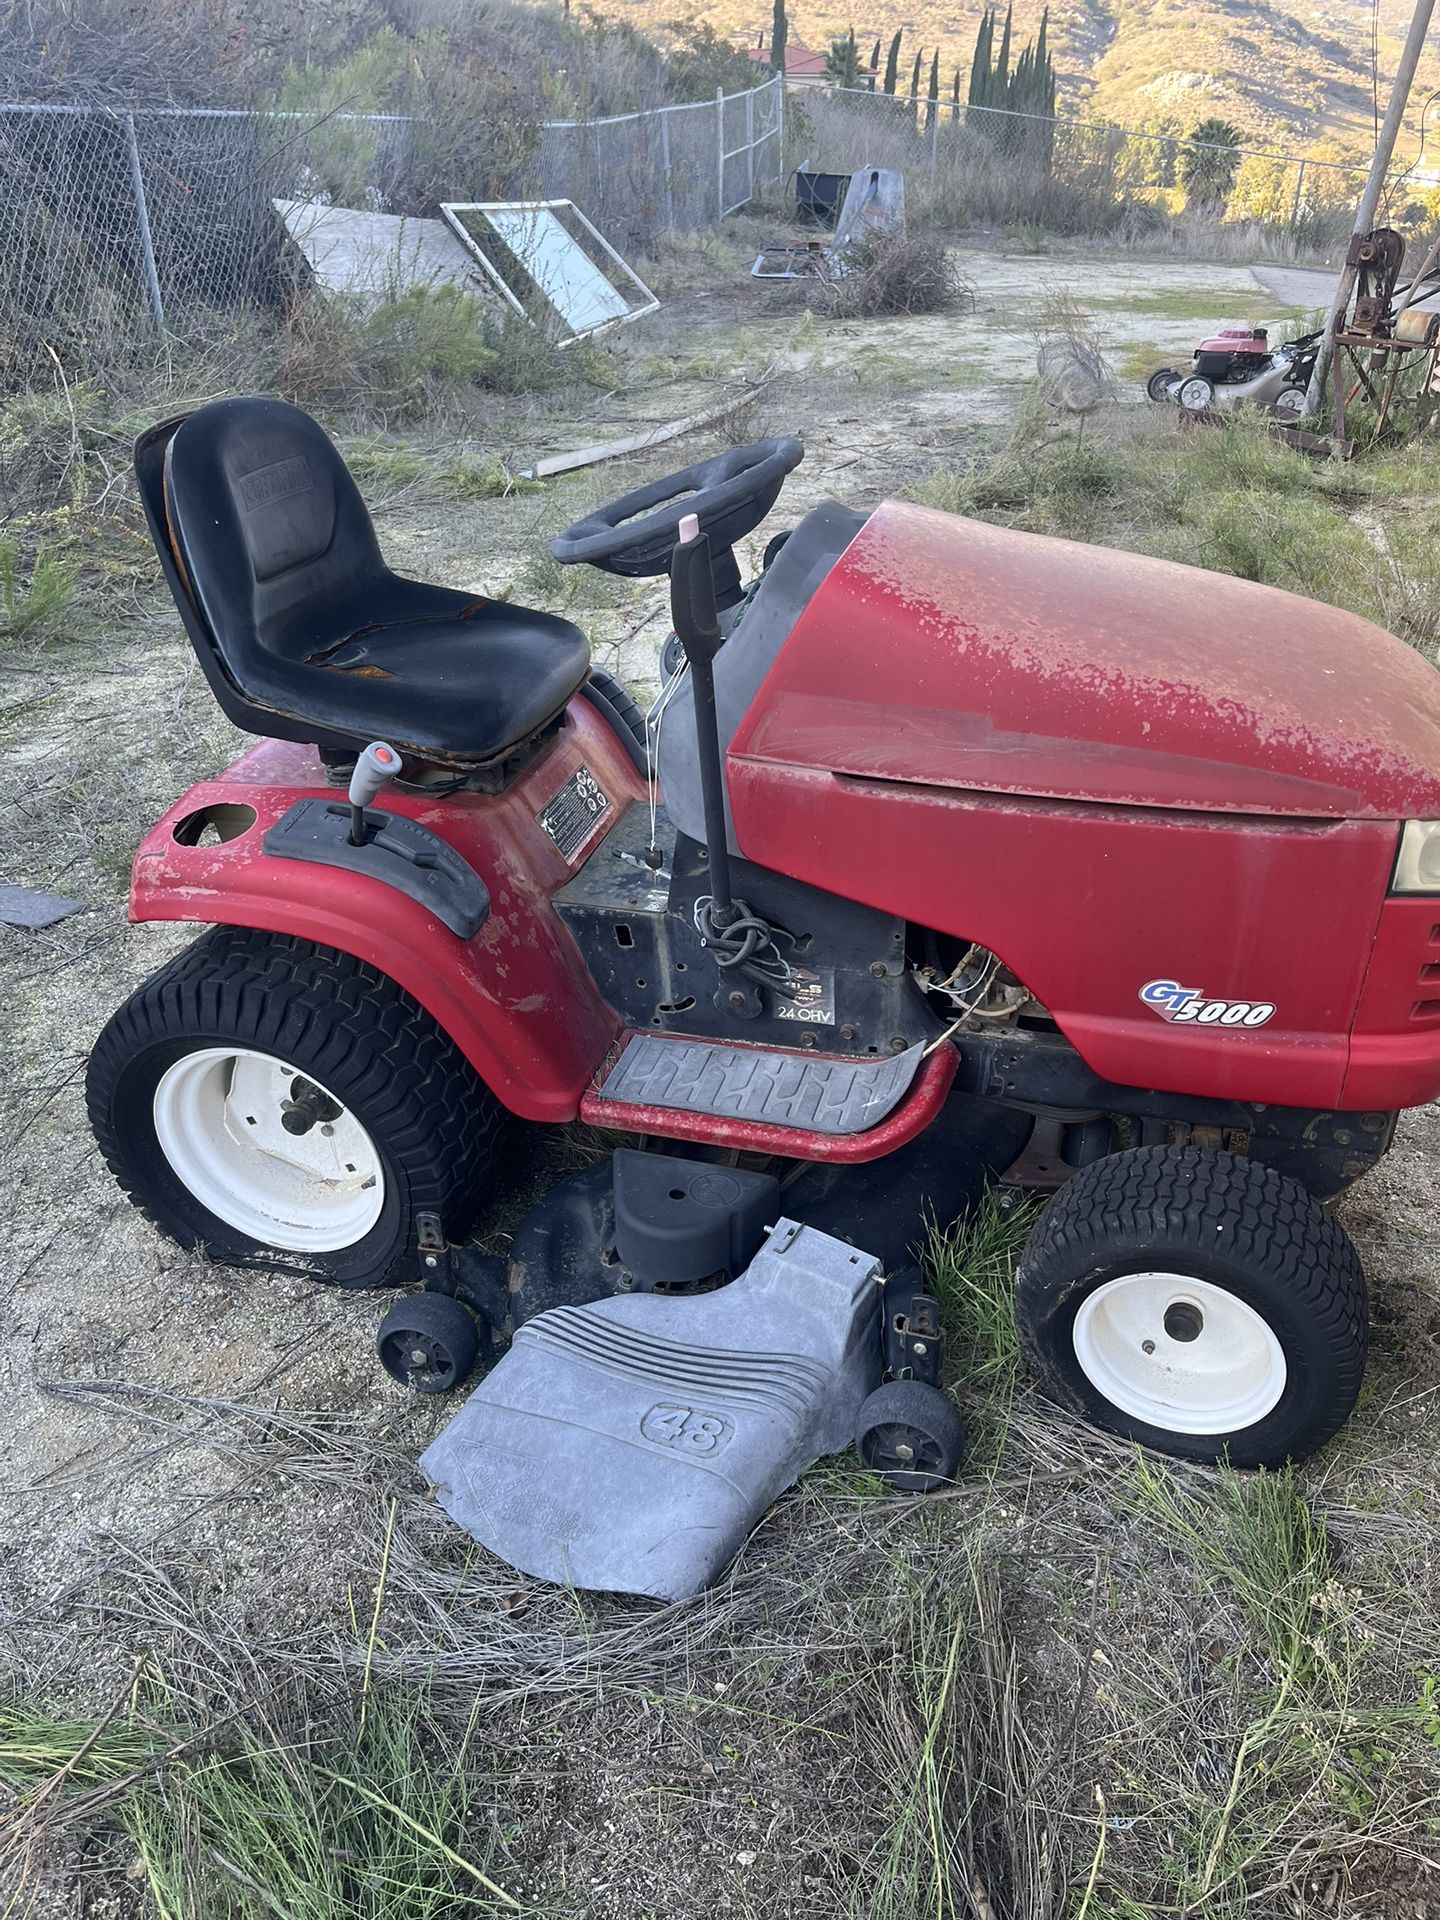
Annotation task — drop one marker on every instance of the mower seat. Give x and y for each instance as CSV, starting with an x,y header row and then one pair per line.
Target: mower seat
x,y
303,630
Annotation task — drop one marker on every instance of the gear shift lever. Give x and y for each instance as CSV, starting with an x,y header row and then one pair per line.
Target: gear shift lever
x,y
697,627
377,764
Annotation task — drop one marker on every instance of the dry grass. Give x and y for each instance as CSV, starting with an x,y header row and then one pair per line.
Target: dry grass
x,y
1085,1683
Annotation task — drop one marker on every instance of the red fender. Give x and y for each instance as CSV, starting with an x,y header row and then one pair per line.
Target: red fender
x,y
516,999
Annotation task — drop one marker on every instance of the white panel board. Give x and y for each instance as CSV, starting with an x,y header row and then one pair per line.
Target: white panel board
x,y
377,256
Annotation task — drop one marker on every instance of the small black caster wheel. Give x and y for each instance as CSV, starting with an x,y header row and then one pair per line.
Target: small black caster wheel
x,y
429,1342
910,1435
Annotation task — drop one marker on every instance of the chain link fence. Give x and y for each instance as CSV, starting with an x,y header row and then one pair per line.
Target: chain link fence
x,y
981,165
118,227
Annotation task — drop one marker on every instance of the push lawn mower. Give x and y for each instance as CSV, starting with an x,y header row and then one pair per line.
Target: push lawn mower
x,y
951,853
1238,367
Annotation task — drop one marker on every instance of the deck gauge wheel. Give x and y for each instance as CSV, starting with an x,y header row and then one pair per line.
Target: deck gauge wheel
x,y
910,1435
428,1341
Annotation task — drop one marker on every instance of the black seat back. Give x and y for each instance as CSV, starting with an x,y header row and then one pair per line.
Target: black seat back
x,y
255,517
268,526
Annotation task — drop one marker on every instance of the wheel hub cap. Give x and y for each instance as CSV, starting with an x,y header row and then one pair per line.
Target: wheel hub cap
x,y
1179,1353
221,1117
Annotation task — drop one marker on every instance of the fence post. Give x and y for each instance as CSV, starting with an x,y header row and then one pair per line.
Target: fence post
x,y
719,153
1295,208
750,146
668,183
934,140
779,85
142,221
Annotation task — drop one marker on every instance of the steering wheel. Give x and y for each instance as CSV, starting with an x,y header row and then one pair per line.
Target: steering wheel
x,y
732,493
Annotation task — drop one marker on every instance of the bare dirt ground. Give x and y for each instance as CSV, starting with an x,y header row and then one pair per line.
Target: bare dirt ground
x,y
200,1464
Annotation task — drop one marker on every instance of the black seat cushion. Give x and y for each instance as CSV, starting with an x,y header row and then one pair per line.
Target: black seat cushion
x,y
276,549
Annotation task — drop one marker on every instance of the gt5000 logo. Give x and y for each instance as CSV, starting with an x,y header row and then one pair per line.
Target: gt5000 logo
x,y
1191,1007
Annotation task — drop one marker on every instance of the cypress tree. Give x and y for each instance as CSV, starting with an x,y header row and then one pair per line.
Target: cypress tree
x,y
892,62
915,77
779,38
935,88
1002,65
980,62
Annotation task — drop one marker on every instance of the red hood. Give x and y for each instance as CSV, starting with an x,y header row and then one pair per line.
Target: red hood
x,y
947,652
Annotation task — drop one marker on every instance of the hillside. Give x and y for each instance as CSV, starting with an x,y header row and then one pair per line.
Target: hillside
x,y
1291,73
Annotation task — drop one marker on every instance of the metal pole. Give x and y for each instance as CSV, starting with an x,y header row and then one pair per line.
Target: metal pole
x,y
1370,198
1299,184
668,179
934,140
750,144
779,85
142,221
720,153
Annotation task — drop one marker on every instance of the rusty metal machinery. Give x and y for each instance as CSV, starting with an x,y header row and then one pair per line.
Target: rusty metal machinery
x,y
1375,343
1377,258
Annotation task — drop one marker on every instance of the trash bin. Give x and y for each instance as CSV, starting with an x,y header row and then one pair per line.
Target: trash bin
x,y
818,196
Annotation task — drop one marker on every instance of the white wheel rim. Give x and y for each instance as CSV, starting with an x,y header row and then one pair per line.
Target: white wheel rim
x,y
1196,395
218,1119
1290,400
1179,1354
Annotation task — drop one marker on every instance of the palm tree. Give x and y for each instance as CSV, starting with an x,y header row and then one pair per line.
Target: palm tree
x,y
1209,162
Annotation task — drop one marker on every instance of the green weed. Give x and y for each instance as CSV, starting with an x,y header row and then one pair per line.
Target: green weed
x,y
1255,1536
970,1266
37,604
254,1822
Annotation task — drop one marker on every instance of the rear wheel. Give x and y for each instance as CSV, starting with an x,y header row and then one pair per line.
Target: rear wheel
x,y
261,1096
1289,403
1197,1302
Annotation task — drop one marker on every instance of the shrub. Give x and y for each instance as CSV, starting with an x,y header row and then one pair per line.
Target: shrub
x,y
413,354
897,273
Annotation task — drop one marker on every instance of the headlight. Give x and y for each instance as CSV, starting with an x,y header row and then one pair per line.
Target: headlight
x,y
1417,866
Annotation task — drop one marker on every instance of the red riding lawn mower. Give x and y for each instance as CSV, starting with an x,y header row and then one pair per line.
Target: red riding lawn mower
x,y
950,856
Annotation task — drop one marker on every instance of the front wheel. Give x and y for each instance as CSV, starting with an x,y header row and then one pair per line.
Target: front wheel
x,y
1198,1302
1158,386
266,1098
1195,394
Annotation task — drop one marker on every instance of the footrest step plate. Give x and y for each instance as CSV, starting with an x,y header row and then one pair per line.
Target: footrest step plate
x,y
768,1087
